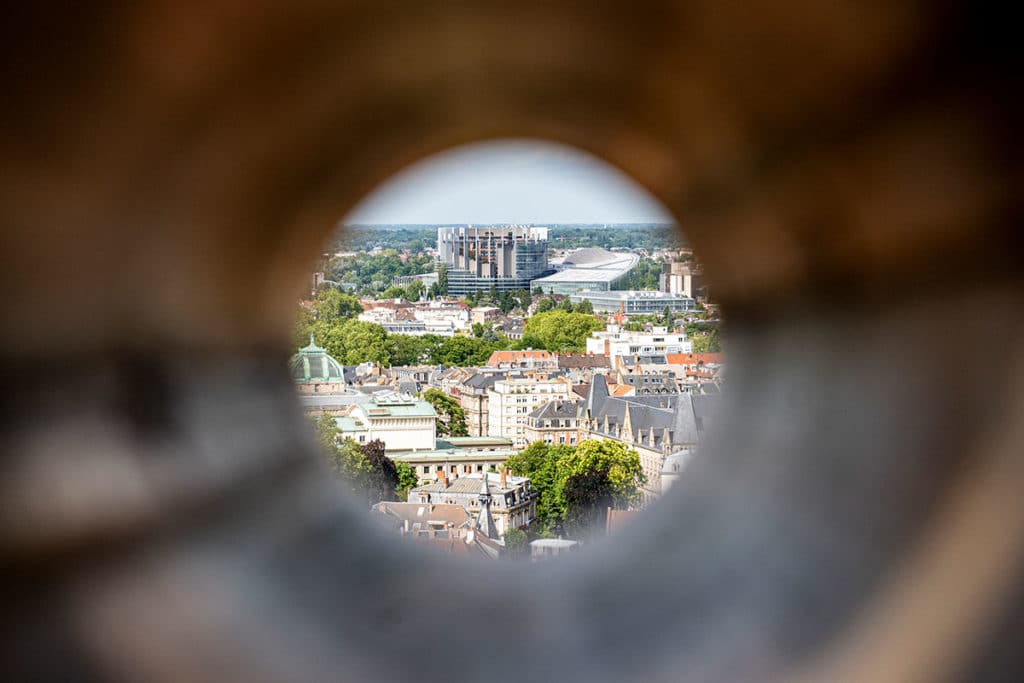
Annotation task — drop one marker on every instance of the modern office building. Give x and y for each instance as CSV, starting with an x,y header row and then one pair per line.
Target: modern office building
x,y
635,302
506,258
682,277
591,268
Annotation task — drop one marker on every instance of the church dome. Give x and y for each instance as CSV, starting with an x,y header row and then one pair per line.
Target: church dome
x,y
313,364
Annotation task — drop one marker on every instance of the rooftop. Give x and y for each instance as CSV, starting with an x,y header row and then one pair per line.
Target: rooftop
x,y
517,357
313,364
628,294
591,264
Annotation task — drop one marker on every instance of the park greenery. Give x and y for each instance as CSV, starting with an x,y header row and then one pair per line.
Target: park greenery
x,y
366,473
331,321
372,274
578,483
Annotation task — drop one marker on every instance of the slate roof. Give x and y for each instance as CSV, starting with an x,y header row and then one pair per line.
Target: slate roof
x,y
558,409
682,417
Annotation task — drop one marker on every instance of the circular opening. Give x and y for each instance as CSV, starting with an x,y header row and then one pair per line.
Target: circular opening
x,y
509,344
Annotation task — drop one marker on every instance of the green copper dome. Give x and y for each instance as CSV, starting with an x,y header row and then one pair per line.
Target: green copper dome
x,y
312,364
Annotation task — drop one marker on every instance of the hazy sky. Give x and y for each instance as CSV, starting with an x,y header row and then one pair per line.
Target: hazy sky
x,y
510,181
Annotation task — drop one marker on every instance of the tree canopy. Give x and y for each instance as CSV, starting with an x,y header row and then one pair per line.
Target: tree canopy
x,y
577,483
560,331
365,471
452,418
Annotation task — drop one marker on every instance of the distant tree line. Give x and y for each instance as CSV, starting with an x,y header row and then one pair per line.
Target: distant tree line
x,y
416,238
332,322
373,274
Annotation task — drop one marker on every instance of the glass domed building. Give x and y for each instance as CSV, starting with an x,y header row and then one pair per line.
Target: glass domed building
x,y
314,371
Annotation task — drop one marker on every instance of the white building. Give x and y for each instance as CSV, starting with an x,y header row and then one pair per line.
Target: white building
x,y
615,342
442,315
400,421
510,402
634,301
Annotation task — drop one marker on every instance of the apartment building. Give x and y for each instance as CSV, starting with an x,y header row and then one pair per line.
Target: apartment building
x,y
511,400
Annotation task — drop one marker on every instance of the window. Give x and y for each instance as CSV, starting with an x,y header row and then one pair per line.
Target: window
x,y
426,469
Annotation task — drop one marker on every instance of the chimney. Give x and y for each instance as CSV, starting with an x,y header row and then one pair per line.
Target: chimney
x,y
504,478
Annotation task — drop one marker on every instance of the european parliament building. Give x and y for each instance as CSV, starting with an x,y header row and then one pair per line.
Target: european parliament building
x,y
506,258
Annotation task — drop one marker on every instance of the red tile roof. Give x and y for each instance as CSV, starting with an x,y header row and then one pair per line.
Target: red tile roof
x,y
499,357
694,358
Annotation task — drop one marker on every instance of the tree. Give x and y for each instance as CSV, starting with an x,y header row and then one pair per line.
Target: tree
x,y
304,326
538,290
333,307
585,307
666,317
622,465
404,349
544,305
706,342
588,495
506,302
540,462
565,305
355,342
560,331
344,457
407,479
452,420
478,330
414,291
516,543
442,280
382,481
393,292
524,298
465,351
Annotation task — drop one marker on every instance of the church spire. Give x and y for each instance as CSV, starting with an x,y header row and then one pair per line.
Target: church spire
x,y
484,521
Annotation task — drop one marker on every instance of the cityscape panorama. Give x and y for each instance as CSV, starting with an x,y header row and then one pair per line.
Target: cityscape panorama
x,y
508,389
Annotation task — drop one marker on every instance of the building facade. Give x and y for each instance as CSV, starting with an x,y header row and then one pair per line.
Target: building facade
x,y
590,269
616,343
527,359
457,456
403,423
654,426
511,400
554,423
682,278
479,258
474,400
635,302
513,501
